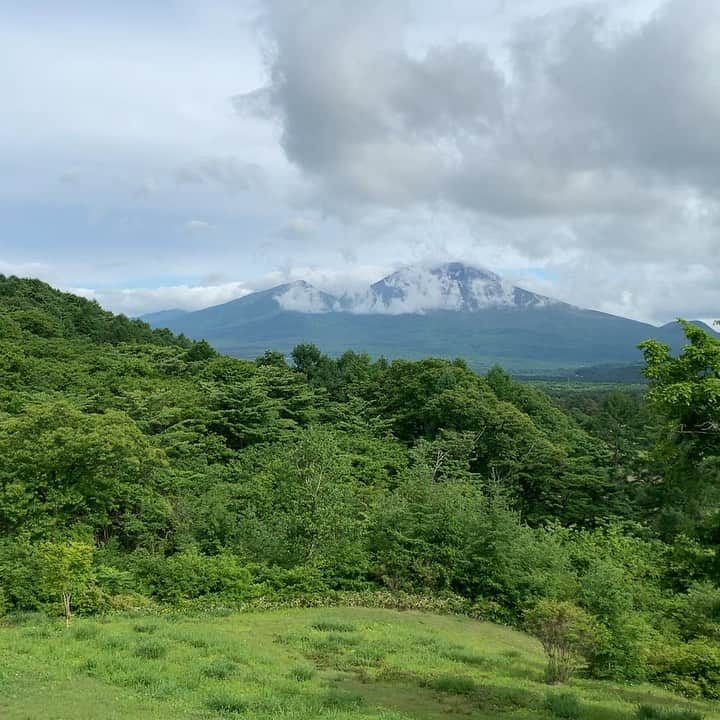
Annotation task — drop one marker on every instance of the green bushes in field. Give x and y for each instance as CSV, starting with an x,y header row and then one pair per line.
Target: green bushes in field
x,y
691,668
189,574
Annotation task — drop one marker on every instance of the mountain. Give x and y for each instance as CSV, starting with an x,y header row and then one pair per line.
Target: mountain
x,y
450,310
452,286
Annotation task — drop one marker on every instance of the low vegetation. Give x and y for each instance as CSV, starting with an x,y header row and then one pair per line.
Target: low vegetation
x,y
280,664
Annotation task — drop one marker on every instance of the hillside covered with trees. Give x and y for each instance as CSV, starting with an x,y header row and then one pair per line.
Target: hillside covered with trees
x,y
139,467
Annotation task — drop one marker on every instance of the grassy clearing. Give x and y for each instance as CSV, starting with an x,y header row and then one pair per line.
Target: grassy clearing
x,y
343,663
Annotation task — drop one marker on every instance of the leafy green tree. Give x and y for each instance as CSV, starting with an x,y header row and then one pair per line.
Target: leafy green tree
x,y
62,466
685,391
65,570
299,505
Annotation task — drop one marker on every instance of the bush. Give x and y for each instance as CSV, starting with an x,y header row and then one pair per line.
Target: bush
x,y
567,634
692,668
698,611
190,575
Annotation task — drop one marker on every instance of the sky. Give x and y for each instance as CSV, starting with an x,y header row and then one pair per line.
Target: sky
x,y
180,153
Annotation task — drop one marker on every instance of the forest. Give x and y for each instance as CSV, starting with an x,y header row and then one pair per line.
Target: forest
x,y
139,469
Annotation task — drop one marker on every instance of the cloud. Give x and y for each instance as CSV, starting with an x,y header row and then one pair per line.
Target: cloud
x,y
197,227
581,123
298,227
302,297
575,136
26,269
138,301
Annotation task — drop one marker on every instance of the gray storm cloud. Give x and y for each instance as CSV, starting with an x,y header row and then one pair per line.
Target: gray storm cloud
x,y
585,119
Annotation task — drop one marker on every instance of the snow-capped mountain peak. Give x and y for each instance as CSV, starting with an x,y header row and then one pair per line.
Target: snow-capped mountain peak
x,y
451,286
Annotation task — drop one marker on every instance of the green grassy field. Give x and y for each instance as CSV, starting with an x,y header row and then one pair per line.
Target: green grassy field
x,y
300,664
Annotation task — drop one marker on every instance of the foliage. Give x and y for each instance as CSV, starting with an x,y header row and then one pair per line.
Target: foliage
x,y
685,390
567,634
191,479
65,570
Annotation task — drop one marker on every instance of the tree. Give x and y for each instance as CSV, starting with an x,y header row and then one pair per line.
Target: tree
x,y
685,392
62,466
200,350
567,634
66,570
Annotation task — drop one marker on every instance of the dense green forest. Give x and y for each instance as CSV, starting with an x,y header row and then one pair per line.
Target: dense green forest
x,y
141,468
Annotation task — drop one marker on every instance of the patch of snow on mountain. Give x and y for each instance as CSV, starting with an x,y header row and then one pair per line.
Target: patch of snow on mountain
x,y
450,287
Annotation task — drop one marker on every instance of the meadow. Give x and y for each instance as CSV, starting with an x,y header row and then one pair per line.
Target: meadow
x,y
340,663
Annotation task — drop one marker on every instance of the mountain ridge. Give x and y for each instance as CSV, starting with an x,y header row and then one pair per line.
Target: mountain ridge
x,y
450,310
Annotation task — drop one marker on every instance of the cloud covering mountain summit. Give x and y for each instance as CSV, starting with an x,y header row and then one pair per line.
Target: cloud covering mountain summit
x,y
416,289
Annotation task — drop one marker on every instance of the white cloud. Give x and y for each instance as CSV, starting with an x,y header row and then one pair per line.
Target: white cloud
x,y
197,227
302,297
138,301
27,269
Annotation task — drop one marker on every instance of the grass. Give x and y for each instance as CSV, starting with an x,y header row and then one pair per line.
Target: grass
x,y
565,705
653,712
302,664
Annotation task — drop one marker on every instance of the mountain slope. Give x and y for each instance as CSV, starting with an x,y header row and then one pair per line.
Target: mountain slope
x,y
448,311
34,307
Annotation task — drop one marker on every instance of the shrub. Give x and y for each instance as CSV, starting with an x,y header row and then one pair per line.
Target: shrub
x,y
567,634
698,611
190,575
564,705
691,668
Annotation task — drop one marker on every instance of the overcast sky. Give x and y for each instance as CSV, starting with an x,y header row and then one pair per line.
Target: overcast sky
x,y
178,153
